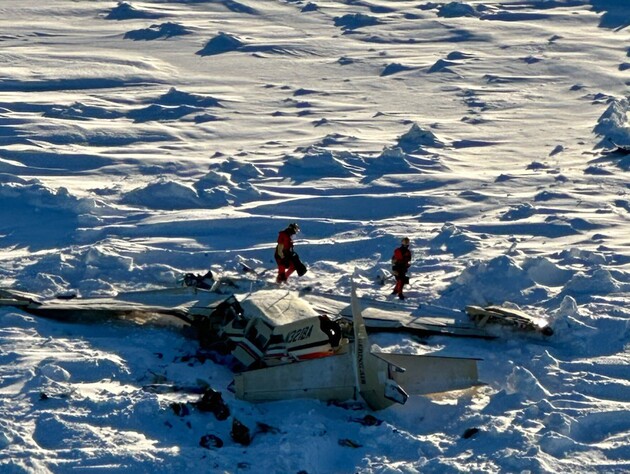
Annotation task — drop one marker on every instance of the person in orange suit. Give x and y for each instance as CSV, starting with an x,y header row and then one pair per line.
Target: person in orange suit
x,y
284,252
401,261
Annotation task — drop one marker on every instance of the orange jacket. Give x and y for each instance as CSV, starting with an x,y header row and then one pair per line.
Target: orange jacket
x,y
286,241
401,260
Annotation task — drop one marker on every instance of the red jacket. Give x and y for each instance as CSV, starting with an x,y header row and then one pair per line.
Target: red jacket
x,y
401,259
287,244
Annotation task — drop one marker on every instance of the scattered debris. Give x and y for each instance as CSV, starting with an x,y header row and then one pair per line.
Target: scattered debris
x,y
212,401
180,409
348,443
240,433
199,281
367,420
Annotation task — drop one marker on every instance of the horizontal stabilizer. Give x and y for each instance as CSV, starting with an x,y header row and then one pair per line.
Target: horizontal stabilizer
x,y
424,375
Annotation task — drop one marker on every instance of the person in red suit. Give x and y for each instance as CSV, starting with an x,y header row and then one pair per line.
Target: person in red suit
x,y
401,261
284,254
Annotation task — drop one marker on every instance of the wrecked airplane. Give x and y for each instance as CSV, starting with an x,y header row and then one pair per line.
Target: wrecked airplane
x,y
286,344
380,379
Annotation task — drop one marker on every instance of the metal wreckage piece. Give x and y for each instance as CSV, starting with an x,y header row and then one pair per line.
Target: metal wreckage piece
x,y
505,316
287,344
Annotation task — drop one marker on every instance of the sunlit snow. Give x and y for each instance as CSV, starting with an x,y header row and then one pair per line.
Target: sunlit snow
x,y
143,140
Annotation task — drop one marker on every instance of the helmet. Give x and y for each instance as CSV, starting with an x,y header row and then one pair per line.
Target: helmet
x,y
294,227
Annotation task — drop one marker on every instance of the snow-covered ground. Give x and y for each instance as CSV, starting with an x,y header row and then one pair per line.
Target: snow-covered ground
x,y
142,140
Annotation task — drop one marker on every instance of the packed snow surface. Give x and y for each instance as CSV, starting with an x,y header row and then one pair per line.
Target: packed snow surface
x,y
143,140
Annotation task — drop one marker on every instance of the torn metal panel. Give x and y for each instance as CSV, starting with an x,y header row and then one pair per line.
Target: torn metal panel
x,y
508,317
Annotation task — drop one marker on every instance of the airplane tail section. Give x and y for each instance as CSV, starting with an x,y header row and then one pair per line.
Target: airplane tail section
x,y
374,384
